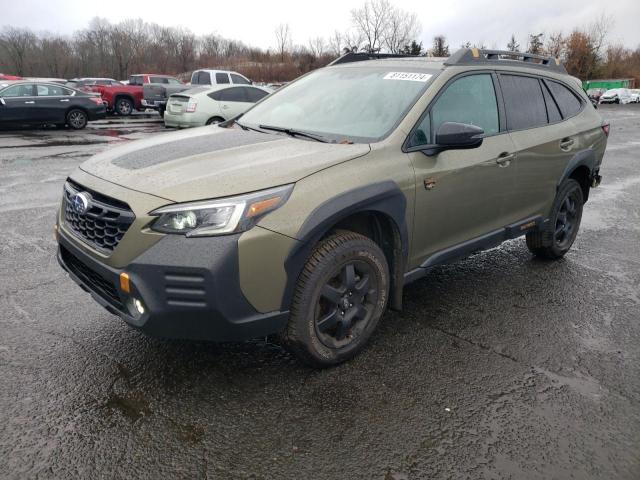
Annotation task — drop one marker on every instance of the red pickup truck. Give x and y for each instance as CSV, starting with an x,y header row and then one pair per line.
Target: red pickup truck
x,y
124,99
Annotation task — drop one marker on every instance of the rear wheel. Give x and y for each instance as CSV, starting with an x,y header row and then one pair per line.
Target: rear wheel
x,y
339,299
215,120
124,107
77,119
555,239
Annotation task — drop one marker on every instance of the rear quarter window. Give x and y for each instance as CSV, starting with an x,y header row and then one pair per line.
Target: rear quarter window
x,y
524,102
567,101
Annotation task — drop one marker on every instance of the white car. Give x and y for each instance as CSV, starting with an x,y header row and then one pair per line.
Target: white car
x,y
217,77
616,95
208,105
635,95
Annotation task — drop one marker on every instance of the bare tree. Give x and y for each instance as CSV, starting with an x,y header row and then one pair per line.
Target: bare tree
x,y
372,21
554,46
317,47
18,44
535,44
402,28
336,43
283,40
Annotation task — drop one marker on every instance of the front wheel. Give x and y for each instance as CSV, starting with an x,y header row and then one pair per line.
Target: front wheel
x,y
555,239
339,299
77,119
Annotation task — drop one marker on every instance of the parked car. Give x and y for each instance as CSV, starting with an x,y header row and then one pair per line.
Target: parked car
x,y
157,91
635,95
61,81
85,83
38,103
5,77
217,77
124,99
208,105
306,216
616,95
596,93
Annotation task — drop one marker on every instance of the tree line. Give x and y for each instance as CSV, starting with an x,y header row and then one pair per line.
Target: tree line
x,y
117,50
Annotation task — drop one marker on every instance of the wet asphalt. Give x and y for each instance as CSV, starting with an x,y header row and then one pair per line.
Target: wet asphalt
x,y
501,366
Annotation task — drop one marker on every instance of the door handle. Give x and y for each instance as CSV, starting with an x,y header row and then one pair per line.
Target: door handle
x,y
225,106
30,102
64,100
504,159
566,144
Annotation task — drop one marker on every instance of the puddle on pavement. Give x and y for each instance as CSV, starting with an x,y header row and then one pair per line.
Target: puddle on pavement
x,y
581,383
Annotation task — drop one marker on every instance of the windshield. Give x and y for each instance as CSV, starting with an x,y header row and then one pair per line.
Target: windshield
x,y
357,103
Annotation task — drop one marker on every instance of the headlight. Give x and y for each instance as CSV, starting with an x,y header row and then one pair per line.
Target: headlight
x,y
218,217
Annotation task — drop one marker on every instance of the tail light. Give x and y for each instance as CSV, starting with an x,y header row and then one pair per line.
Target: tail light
x,y
191,106
605,129
96,100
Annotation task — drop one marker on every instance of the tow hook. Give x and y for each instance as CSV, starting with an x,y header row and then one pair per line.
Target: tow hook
x,y
595,181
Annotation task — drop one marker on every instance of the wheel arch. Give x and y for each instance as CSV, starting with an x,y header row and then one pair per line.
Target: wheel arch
x,y
376,211
582,169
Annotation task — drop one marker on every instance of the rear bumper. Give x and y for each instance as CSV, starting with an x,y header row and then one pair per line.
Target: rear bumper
x,y
182,120
98,114
190,288
156,104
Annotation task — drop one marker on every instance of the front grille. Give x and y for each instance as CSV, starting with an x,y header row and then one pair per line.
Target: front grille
x,y
91,279
105,222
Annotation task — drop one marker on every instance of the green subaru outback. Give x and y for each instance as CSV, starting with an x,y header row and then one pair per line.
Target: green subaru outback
x,y
307,215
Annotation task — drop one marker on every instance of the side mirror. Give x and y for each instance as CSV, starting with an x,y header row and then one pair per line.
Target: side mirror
x,y
453,136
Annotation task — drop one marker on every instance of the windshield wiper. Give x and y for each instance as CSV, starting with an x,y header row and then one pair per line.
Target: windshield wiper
x,y
245,127
294,133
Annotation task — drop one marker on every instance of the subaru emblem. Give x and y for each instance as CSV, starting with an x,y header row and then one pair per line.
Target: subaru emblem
x,y
81,203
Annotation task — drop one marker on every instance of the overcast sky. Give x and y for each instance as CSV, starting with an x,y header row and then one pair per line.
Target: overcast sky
x,y
488,21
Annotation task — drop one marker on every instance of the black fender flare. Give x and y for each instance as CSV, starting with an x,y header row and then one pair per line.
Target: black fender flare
x,y
585,158
383,197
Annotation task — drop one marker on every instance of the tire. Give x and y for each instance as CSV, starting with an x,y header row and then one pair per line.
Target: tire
x,y
214,120
124,107
339,299
77,119
554,240
161,112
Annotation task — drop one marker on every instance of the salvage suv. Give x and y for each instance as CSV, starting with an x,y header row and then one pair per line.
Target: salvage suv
x,y
307,215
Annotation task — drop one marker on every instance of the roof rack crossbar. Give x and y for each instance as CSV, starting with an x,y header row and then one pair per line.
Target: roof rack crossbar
x,y
476,56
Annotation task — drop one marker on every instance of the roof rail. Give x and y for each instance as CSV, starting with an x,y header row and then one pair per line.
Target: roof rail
x,y
361,56
476,56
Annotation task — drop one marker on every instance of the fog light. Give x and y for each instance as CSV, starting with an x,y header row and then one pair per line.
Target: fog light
x,y
139,307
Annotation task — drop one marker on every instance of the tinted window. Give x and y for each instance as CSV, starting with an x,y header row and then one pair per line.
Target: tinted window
x,y
471,100
217,96
239,79
552,108
567,101
18,91
173,81
233,95
255,94
524,102
158,80
222,78
201,78
135,80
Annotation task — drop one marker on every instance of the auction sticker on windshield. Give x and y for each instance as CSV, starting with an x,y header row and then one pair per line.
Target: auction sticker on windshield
x,y
414,77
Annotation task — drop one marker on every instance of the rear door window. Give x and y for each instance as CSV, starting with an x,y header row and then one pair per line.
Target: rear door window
x,y
567,101
222,77
52,91
552,108
135,80
240,80
524,102
255,94
233,95
158,80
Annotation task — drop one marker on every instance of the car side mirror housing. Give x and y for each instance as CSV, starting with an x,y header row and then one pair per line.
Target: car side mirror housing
x,y
452,136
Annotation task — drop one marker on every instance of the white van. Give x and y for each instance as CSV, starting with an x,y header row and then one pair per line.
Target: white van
x,y
217,77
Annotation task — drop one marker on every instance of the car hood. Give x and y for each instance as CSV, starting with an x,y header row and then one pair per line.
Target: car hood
x,y
211,162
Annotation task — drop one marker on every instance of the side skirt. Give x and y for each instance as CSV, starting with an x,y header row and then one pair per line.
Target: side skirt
x,y
478,244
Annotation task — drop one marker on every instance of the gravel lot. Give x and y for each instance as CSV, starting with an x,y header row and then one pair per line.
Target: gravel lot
x,y
501,366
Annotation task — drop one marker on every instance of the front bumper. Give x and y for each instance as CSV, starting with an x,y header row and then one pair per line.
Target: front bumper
x,y
190,288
